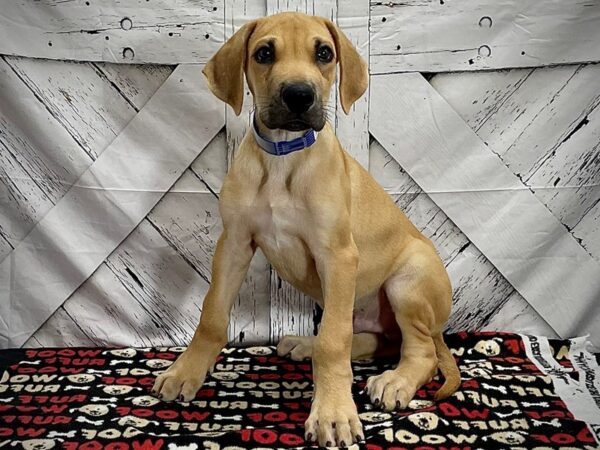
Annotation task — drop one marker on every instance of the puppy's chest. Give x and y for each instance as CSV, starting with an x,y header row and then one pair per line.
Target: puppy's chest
x,y
278,218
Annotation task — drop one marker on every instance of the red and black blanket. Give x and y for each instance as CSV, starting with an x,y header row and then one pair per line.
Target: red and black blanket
x,y
517,392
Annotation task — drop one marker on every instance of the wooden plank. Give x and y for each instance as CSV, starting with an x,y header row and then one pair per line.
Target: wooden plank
x,y
58,117
87,105
427,36
211,166
136,83
488,202
168,291
39,159
160,32
588,230
251,310
133,173
62,330
353,129
112,292
518,315
292,312
557,161
5,247
237,13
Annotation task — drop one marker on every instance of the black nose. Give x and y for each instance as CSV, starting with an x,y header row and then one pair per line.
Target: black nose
x,y
298,97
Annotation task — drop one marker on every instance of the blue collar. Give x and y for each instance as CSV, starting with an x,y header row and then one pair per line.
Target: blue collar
x,y
282,148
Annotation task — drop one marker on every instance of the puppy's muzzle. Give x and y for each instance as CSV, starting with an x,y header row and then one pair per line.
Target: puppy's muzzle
x,y
298,97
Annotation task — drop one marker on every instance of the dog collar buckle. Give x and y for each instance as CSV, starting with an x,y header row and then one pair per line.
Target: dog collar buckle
x,y
282,148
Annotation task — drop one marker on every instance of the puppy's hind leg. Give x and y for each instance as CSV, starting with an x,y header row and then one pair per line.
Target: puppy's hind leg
x,y
420,296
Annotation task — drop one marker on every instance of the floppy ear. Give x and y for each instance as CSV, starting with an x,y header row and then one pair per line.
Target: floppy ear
x,y
354,76
225,70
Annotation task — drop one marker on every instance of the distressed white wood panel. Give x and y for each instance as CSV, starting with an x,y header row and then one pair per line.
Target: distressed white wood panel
x,y
58,117
353,129
63,329
188,218
353,19
5,247
39,159
251,311
80,98
211,166
137,83
101,311
518,315
292,312
476,190
128,31
237,13
133,173
168,291
111,297
443,36
544,124
588,230
325,8
548,117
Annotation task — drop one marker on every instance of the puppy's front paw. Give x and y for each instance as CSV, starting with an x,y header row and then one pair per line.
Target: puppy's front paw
x,y
180,381
333,422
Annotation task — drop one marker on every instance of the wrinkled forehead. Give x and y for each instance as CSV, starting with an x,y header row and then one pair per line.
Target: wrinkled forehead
x,y
291,33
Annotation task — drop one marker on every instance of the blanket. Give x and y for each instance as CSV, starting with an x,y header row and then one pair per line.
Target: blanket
x,y
517,391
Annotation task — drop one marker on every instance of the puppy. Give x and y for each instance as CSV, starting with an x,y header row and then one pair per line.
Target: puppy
x,y
324,224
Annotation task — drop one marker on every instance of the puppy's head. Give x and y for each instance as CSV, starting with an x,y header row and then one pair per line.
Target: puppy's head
x,y
289,60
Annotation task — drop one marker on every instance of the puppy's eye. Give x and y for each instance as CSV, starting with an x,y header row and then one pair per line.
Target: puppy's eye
x,y
324,54
264,55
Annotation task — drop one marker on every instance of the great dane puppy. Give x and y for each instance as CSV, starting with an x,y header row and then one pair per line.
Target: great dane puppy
x,y
324,224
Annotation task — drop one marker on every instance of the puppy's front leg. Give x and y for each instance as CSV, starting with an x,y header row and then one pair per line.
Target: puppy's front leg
x,y
333,417
230,263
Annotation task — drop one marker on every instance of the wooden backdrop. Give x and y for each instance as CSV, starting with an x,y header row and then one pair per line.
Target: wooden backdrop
x,y
482,120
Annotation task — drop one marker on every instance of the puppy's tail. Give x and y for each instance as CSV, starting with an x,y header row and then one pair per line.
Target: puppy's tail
x,y
448,367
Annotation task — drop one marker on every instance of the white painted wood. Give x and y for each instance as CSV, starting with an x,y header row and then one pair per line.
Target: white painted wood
x,y
131,31
487,202
588,230
353,129
544,124
39,159
57,118
123,184
479,290
87,105
168,291
5,248
292,312
518,315
63,330
101,311
237,13
251,311
211,166
136,83
443,36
